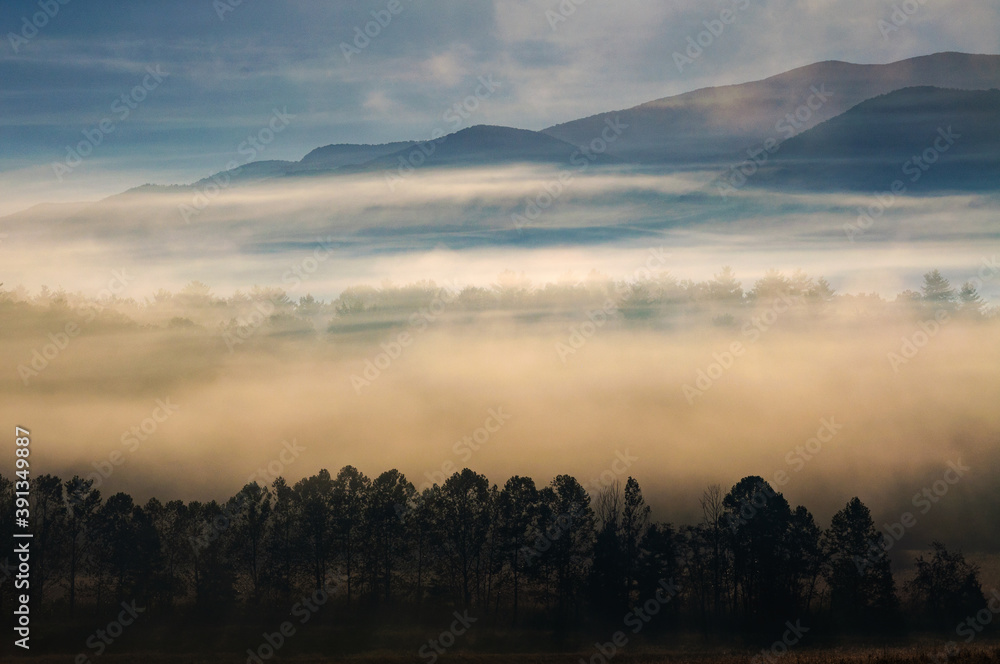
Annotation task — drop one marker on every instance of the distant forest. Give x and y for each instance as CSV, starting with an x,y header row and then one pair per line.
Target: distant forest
x,y
550,558
651,294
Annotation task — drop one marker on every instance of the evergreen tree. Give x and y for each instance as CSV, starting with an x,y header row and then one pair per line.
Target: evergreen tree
x,y
858,572
937,291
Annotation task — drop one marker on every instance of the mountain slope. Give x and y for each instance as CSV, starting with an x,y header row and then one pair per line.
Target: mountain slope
x,y
481,145
928,138
346,154
712,124
484,145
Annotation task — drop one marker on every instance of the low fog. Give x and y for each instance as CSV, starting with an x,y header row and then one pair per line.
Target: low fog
x,y
468,225
905,387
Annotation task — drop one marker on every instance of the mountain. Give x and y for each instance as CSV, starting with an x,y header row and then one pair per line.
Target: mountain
x,y
329,157
481,145
255,171
484,145
928,138
711,125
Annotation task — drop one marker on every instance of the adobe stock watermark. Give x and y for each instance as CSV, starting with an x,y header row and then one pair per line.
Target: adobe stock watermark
x,y
469,445
580,333
223,7
912,345
552,532
392,350
974,625
121,108
581,159
802,454
102,639
797,459
304,610
969,628
900,16
706,378
619,467
264,476
243,328
790,125
791,637
988,270
254,144
439,645
714,28
914,168
308,266
30,27
636,620
132,439
925,499
456,115
565,9
44,355
289,453
381,18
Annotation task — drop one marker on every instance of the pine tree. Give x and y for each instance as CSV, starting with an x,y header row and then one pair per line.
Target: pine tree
x,y
859,573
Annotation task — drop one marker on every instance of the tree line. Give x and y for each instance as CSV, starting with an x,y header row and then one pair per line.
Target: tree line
x,y
719,300
549,557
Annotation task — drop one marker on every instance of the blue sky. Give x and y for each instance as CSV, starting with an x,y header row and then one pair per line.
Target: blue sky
x,y
228,66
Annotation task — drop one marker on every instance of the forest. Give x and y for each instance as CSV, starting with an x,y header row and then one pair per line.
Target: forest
x,y
553,560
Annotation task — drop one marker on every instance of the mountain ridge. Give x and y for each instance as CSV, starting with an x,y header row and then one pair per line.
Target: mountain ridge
x,y
927,138
709,125
706,127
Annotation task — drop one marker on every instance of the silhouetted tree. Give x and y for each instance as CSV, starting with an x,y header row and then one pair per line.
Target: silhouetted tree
x,y
49,513
215,576
115,535
570,553
282,539
607,574
805,559
464,520
752,560
315,497
657,560
713,510
149,565
634,523
7,535
82,503
251,513
347,501
946,588
170,524
518,517
858,572
386,530
758,518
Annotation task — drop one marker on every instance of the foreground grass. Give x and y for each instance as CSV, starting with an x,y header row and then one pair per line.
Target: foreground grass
x,y
925,653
